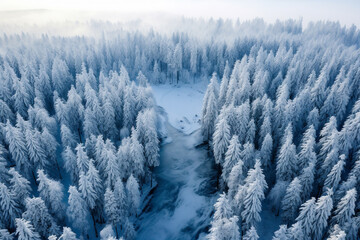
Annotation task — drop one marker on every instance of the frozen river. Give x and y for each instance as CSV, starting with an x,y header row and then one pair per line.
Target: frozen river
x,y
182,202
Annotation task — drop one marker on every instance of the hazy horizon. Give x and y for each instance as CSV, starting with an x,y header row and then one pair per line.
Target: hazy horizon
x,y
346,12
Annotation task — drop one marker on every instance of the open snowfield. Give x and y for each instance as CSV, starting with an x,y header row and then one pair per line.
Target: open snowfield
x,y
182,103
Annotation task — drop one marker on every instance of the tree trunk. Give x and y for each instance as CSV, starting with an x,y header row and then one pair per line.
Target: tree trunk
x,y
34,177
151,180
218,167
79,135
58,168
117,234
93,218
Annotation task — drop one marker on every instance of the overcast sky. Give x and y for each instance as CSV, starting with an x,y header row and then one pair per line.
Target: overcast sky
x,y
345,11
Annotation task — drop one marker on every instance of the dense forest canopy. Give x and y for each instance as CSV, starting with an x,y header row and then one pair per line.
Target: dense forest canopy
x,y
79,128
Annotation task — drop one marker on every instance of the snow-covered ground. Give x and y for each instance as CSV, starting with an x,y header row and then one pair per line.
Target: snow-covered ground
x,y
182,202
182,103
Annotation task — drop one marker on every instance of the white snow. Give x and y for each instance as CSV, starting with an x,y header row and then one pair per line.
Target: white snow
x,y
177,209
183,104
181,206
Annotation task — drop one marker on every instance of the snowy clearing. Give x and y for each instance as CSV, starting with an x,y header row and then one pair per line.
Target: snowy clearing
x,y
182,103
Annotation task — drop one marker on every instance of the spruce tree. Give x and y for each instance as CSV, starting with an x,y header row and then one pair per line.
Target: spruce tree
x,y
9,207
133,193
306,217
77,211
232,157
345,209
38,214
255,187
251,234
281,234
266,151
286,166
25,231
291,201
323,209
333,178
68,234
19,186
221,139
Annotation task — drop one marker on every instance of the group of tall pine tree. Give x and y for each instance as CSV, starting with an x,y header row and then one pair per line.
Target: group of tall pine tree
x,y
284,125
79,131
76,147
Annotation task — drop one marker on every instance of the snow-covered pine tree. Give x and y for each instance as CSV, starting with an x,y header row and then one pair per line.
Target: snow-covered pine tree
x,y
281,234
9,207
345,209
265,129
25,230
251,234
235,179
121,199
276,195
266,151
337,234
133,195
307,180
250,133
19,186
221,139
323,209
52,192
94,180
5,235
36,150
112,170
18,149
60,76
224,85
222,208
232,157
328,137
77,211
306,217
210,109
333,178
296,232
137,155
224,224
291,201
39,216
70,163
68,234
110,130
112,210
5,112
82,160
248,155
129,230
307,148
286,166
255,187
